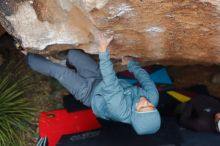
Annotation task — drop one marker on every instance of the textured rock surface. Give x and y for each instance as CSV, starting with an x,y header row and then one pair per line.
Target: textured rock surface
x,y
166,32
216,79
2,30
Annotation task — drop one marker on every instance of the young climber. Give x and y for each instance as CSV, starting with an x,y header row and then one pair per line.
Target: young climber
x,y
201,114
98,87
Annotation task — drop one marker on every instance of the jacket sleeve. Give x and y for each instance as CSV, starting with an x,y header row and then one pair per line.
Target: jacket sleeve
x,y
144,79
114,93
107,71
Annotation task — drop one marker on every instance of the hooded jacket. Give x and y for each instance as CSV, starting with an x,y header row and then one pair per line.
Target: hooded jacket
x,y
115,99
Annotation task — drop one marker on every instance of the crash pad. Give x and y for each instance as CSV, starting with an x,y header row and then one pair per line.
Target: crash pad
x,y
159,76
182,98
54,124
120,134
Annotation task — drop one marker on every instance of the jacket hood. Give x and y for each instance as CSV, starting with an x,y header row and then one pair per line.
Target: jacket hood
x,y
145,122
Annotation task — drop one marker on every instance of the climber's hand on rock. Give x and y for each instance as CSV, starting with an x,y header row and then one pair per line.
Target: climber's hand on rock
x,y
125,60
103,42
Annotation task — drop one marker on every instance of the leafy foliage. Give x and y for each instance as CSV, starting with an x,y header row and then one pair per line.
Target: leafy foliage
x,y
15,109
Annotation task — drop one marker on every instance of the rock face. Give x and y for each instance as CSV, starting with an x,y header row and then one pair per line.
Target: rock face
x,y
2,30
165,32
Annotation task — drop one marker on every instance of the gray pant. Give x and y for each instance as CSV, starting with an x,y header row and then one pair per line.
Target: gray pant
x,y
79,83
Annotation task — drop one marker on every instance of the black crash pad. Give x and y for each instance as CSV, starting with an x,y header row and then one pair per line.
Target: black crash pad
x,y
115,133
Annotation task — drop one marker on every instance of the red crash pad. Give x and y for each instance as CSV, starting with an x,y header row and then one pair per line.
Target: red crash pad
x,y
56,123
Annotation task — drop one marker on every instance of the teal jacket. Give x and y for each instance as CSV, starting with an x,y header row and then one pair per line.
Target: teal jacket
x,y
115,99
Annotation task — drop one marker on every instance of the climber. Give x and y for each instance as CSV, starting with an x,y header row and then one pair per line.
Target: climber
x,y
97,86
201,114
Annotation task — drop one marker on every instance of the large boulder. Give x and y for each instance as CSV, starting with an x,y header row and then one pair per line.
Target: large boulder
x,y
165,32
2,30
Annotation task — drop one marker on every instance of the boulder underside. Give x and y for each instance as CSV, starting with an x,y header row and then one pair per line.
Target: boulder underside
x,y
162,32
